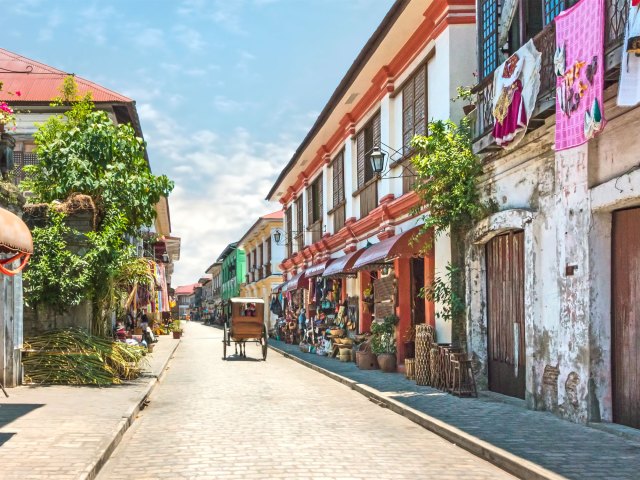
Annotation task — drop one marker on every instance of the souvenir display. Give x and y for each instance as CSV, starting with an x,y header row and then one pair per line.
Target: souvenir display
x,y
629,87
516,85
578,64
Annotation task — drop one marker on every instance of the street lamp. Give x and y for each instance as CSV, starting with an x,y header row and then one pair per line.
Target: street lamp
x,y
377,156
377,160
277,236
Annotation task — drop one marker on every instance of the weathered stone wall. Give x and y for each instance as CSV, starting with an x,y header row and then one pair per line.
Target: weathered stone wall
x,y
563,202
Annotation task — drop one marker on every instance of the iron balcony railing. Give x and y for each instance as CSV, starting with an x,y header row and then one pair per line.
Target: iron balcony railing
x,y
545,42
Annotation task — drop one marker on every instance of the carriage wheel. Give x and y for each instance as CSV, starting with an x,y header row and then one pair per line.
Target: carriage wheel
x,y
264,343
224,342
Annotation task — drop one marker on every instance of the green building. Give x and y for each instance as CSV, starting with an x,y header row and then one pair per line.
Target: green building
x,y
233,272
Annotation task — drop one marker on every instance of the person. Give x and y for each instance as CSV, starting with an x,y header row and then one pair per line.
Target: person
x,y
144,321
129,323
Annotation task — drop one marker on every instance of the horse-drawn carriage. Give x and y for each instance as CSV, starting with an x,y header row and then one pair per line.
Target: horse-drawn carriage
x,y
245,325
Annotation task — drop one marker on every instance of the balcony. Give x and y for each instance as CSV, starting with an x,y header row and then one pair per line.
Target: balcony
x,y
616,12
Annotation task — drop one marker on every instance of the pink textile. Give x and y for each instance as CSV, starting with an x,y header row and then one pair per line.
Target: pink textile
x,y
515,121
580,30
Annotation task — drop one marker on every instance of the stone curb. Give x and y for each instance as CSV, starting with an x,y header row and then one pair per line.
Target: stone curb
x,y
508,462
128,418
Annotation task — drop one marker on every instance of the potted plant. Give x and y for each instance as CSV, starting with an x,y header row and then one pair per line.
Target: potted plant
x,y
176,329
465,94
383,343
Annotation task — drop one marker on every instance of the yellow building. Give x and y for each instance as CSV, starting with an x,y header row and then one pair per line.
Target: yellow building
x,y
263,256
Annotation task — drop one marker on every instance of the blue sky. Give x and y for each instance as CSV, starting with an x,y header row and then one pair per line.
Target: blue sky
x,y
225,89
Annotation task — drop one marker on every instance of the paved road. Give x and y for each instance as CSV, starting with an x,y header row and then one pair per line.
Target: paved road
x,y
275,419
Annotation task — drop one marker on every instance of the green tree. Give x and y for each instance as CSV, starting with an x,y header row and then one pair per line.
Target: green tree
x,y
447,184
83,151
447,172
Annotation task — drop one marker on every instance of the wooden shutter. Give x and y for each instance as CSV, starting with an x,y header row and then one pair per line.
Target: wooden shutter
x,y
338,179
376,130
299,222
320,200
420,102
268,262
407,114
360,147
310,205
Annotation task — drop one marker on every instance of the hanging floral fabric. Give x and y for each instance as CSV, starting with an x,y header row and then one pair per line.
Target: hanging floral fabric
x,y
516,84
579,90
629,86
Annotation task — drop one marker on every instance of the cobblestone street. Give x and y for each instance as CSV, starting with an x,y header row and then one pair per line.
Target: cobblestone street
x,y
275,419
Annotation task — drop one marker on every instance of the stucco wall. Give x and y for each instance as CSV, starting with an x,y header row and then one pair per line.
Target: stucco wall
x,y
563,202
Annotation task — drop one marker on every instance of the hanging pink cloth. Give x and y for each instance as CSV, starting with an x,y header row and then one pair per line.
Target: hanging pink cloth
x,y
579,92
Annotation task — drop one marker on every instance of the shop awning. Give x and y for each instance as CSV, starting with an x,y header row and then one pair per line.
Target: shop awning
x,y
318,269
398,246
343,265
297,282
15,236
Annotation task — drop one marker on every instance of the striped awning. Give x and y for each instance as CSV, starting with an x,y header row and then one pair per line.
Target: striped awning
x,y
318,269
343,266
296,283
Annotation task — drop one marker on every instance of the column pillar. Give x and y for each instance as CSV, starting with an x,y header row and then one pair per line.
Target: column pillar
x,y
402,267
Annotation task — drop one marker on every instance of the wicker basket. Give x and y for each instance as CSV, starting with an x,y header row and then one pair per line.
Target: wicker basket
x,y
410,368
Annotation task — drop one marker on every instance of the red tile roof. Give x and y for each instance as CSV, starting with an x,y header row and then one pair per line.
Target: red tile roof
x,y
186,289
43,83
278,214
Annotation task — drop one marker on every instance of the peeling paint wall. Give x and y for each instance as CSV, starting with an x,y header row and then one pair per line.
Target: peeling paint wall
x,y
563,202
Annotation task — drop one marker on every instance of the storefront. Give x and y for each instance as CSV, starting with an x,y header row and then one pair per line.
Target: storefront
x,y
392,274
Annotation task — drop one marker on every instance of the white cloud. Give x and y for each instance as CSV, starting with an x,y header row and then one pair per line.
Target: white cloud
x,y
220,185
225,13
46,33
228,105
149,38
189,37
94,22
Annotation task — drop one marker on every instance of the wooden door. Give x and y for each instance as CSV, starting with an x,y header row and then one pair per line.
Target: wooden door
x,y
505,306
626,317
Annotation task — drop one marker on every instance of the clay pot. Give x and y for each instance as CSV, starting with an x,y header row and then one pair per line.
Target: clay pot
x,y
177,335
467,109
387,362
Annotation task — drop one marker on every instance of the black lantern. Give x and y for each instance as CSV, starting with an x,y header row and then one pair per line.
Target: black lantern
x,y
277,236
377,160
165,257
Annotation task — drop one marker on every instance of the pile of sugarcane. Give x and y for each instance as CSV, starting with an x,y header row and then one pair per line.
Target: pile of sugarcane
x,y
74,357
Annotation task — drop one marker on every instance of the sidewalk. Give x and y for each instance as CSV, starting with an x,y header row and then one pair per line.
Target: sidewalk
x,y
526,443
67,432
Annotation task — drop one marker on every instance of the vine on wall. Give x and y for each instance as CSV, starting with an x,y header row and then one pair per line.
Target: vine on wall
x,y
84,153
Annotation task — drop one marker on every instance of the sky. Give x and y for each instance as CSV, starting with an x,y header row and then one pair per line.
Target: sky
x,y
225,89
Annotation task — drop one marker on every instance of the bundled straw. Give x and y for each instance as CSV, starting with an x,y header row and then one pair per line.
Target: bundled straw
x,y
74,357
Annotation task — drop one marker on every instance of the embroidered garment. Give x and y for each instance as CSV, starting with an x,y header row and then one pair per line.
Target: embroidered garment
x,y
516,84
579,92
629,86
